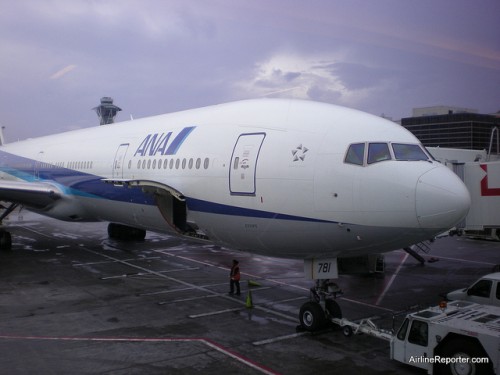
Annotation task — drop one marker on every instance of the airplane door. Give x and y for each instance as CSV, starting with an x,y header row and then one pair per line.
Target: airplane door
x,y
38,165
243,167
118,164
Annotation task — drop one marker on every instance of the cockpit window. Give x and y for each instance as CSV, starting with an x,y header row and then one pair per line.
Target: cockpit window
x,y
378,152
408,152
355,154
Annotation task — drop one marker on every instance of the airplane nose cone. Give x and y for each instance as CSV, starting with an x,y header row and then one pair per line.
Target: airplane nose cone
x,y
442,200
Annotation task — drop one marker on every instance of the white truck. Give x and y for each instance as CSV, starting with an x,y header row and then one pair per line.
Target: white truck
x,y
486,290
458,338
461,338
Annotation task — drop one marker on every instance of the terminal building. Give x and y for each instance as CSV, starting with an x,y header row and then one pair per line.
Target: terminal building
x,y
454,127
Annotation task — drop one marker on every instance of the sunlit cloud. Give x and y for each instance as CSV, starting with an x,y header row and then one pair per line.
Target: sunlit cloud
x,y
323,78
63,71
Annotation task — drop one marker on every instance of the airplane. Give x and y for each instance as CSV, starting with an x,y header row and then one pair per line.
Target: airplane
x,y
278,177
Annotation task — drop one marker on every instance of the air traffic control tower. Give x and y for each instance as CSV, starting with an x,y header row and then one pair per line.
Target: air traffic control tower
x,y
107,110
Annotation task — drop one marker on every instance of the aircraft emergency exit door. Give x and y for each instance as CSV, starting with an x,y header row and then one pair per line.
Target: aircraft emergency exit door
x,y
243,168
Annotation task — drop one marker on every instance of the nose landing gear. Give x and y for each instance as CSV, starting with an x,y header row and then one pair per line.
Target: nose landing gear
x,y
315,314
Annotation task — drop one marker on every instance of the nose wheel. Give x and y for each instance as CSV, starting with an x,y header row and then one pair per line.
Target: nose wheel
x,y
312,316
317,313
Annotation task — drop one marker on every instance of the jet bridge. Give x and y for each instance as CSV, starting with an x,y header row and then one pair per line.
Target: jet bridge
x,y
480,171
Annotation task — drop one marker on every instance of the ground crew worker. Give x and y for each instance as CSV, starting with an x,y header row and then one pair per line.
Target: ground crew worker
x,y
234,278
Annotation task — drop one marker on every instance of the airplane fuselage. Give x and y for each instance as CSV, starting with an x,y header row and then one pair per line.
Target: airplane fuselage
x,y
276,177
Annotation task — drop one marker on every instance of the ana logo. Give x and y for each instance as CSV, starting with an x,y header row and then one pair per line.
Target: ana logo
x,y
158,144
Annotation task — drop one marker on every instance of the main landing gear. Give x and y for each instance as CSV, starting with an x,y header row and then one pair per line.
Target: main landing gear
x,y
125,233
5,237
319,311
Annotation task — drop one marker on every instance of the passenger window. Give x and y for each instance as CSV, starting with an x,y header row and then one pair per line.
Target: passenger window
x,y
378,152
355,154
418,333
480,289
498,291
408,152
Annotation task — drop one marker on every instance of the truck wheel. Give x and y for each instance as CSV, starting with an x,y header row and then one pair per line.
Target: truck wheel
x,y
465,349
347,331
311,316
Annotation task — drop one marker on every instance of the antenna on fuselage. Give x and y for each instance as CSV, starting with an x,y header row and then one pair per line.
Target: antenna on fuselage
x,y
107,110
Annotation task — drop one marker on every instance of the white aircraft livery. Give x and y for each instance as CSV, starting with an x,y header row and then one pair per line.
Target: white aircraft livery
x,y
278,177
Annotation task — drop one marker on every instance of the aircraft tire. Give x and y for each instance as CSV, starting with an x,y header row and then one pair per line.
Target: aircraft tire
x,y
312,317
5,241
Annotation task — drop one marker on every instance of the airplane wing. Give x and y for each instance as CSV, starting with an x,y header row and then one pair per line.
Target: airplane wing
x,y
31,194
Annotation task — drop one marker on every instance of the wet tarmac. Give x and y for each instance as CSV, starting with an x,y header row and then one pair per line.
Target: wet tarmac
x,y
73,301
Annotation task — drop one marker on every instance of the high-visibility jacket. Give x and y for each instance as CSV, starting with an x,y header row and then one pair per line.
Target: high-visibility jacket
x,y
235,273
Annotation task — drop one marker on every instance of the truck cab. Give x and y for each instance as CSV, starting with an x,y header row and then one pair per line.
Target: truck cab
x,y
486,290
411,343
459,338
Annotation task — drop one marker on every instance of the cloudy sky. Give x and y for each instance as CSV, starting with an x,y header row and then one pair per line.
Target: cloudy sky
x,y
59,57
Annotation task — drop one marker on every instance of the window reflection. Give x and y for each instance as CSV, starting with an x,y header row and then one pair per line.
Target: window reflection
x,y
378,152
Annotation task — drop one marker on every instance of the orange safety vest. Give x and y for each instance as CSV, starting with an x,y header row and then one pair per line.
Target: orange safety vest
x,y
235,273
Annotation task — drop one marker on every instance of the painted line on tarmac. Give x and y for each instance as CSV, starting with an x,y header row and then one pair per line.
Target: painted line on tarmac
x,y
161,303
207,342
279,338
147,273
288,300
178,290
35,231
165,291
391,280
214,313
111,261
459,259
282,283
466,260
193,286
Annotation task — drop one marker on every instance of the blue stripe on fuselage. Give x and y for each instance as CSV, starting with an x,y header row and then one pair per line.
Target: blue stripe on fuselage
x,y
82,184
223,209
70,181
